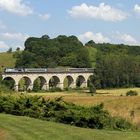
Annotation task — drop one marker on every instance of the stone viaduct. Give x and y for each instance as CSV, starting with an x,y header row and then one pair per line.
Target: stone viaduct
x,y
48,75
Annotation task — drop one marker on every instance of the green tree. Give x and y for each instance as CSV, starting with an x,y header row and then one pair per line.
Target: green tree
x,y
60,51
9,50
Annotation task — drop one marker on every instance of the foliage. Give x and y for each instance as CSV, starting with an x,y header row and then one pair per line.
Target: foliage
x,y
90,43
131,93
3,88
117,66
60,111
55,89
8,83
60,51
92,88
36,86
9,50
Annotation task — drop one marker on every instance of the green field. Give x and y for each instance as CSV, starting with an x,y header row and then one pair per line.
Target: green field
x,y
114,101
6,60
24,128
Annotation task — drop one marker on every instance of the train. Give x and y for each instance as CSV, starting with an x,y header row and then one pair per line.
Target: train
x,y
47,70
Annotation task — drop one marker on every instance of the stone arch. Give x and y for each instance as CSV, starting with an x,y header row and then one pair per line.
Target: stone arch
x,y
24,84
81,81
54,82
41,83
68,82
10,82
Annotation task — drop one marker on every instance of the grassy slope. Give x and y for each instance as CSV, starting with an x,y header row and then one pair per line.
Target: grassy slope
x,y
24,128
6,60
117,105
92,55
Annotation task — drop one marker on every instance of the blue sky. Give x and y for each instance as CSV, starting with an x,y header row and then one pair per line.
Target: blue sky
x,y
113,21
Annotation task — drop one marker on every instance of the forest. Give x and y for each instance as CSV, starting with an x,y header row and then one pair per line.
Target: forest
x,y
116,65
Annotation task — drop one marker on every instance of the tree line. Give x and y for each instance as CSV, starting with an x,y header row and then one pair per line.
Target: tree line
x,y
60,51
117,65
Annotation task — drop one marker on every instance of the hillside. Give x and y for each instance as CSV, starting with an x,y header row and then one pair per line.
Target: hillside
x,y
32,129
6,60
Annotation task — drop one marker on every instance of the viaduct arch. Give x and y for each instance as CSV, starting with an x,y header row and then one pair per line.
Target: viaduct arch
x,y
50,77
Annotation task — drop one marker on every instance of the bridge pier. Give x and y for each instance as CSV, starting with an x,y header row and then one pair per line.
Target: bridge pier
x,y
45,86
30,87
73,85
61,86
16,88
84,84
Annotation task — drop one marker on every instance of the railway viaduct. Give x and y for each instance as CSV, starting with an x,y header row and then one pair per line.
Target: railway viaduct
x,y
55,76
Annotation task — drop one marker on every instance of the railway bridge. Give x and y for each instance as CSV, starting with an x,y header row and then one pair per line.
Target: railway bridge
x,y
49,77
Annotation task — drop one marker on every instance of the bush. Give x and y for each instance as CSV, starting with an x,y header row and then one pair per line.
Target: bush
x,y
59,111
120,123
131,93
55,89
92,88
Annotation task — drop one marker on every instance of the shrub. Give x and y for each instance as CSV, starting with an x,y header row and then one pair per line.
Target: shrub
x,y
131,93
92,89
119,123
60,111
55,89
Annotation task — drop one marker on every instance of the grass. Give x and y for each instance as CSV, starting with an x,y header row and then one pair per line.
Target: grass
x,y
24,128
6,60
117,105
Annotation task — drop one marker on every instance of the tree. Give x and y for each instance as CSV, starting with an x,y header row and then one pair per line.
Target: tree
x,y
116,66
60,51
36,86
9,50
91,43
92,88
45,37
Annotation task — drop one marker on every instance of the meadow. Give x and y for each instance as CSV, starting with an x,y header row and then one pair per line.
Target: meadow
x,y
114,100
6,60
24,128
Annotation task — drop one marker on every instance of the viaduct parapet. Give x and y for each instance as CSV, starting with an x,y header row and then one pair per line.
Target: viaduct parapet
x,y
48,76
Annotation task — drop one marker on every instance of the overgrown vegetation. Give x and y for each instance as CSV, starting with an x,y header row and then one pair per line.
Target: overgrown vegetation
x,y
60,51
59,111
117,66
131,93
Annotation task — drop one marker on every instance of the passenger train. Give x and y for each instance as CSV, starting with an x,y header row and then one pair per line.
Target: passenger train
x,y
46,70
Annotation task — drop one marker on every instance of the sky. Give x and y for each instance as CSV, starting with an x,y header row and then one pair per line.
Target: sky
x,y
104,21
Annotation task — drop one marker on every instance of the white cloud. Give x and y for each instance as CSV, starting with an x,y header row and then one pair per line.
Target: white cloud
x,y
137,8
97,37
103,11
3,46
16,7
126,39
15,36
45,16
